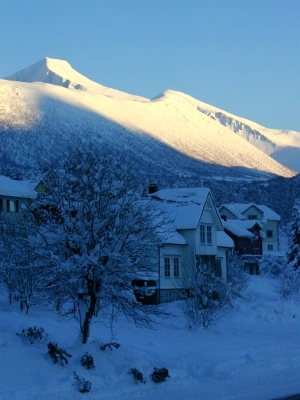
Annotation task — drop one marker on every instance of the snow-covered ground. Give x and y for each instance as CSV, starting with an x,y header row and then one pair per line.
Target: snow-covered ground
x,y
253,353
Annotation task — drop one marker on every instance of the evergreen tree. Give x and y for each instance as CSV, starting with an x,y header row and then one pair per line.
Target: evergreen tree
x,y
293,253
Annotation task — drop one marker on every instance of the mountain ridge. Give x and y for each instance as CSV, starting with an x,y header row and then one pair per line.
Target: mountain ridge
x,y
60,100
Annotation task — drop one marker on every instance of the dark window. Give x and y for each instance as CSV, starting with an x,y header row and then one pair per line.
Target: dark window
x,y
224,217
208,232
252,217
167,267
202,234
218,268
176,267
270,247
269,234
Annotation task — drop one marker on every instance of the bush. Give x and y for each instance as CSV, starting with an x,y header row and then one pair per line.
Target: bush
x,y
32,335
82,384
272,264
57,354
160,375
138,376
87,361
110,345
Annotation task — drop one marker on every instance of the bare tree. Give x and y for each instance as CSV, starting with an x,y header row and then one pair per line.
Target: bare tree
x,y
20,271
206,296
98,233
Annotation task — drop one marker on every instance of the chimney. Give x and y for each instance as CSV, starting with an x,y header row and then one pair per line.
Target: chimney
x,y
152,188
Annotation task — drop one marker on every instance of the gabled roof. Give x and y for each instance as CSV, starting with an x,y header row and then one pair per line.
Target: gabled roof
x,y
237,209
186,205
238,228
223,240
183,195
12,188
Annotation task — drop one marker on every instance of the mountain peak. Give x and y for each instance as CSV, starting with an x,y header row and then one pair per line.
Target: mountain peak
x,y
60,72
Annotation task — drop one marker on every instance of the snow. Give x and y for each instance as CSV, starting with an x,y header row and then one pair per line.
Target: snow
x,y
252,353
223,240
59,72
240,228
282,145
71,103
238,209
13,188
183,195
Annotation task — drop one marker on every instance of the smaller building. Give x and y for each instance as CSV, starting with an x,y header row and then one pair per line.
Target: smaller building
x,y
14,193
268,219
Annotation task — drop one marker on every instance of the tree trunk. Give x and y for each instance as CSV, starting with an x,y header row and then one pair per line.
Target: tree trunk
x,y
89,313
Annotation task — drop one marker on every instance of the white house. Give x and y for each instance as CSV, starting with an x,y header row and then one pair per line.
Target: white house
x,y
13,193
194,237
268,219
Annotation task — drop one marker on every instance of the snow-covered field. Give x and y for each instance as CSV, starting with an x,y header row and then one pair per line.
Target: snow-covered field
x,y
253,353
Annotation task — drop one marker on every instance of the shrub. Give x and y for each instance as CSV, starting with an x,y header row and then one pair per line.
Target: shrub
x,y
138,376
32,335
82,384
87,361
110,345
57,354
160,375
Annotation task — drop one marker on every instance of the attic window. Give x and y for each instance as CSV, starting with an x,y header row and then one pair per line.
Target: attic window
x,y
224,217
269,234
252,216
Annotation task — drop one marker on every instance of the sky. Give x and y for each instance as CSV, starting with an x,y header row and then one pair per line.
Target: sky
x,y
242,56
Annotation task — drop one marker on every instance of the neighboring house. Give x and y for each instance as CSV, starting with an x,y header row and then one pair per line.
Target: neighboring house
x,y
247,237
14,193
266,217
194,237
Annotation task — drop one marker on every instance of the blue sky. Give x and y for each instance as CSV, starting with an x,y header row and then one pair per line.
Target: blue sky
x,y
239,55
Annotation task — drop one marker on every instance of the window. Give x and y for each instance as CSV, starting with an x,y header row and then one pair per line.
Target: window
x,y
256,251
202,234
252,216
176,267
167,267
270,247
209,237
205,234
12,206
224,217
269,234
218,267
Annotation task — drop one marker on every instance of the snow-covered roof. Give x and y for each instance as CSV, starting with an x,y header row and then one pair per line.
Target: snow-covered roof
x,y
237,209
12,188
237,228
183,195
223,240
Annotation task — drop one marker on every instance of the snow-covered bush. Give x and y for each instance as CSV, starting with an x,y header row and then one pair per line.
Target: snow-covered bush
x,y
160,375
289,282
57,354
206,298
82,384
87,361
272,264
237,278
138,376
32,335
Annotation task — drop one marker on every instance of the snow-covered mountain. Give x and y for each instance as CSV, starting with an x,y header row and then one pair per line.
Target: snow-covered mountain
x,y
282,145
47,106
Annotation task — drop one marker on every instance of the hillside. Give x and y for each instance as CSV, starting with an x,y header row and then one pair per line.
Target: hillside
x,y
282,145
45,108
